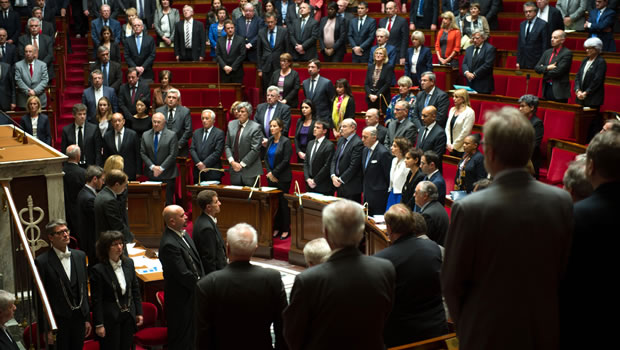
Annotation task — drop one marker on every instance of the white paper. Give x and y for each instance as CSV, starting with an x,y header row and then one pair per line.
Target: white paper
x,y
233,187
150,183
267,188
379,219
150,265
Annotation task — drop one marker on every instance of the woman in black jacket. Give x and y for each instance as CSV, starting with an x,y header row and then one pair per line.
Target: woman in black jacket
x,y
379,77
278,165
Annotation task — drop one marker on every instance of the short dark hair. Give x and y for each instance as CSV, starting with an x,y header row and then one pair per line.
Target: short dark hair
x,y
78,107
115,176
104,242
604,152
316,62
132,70
93,171
415,153
278,121
205,198
325,125
49,228
228,21
431,157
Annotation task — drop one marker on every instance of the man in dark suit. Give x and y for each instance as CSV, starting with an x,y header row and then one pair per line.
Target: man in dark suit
x,y
109,211
293,12
178,120
346,167
361,34
431,96
111,71
140,51
324,297
230,53
243,142
555,65
105,19
376,162
159,149
43,42
450,5
10,21
486,237
145,9
478,64
48,28
435,215
271,43
63,274
423,15
551,15
271,109
134,90
206,235
95,5
383,35
372,119
86,234
252,306
92,94
430,164
401,126
319,154
418,311
490,9
398,29
189,47
533,38
334,42
7,310
601,23
73,181
206,149
182,269
319,90
431,136
7,87
247,27
585,274
303,34
8,50
84,134
124,142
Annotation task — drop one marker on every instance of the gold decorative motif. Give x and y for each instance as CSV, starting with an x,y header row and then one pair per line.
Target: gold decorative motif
x,y
32,230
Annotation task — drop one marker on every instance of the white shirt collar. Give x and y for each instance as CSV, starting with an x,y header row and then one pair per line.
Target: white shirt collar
x,y
91,188
59,253
372,148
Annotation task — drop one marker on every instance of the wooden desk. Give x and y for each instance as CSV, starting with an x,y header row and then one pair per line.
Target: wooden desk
x,y
259,211
146,203
376,238
151,282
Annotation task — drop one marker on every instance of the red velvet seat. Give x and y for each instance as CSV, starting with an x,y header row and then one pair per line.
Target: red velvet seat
x,y
501,81
449,173
612,102
558,165
159,295
148,334
299,177
30,337
558,125
91,345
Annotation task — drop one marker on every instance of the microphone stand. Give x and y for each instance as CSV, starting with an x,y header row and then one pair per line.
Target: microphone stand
x,y
298,194
527,83
254,187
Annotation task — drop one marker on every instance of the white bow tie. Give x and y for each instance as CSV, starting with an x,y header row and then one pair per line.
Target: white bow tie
x,y
63,256
116,265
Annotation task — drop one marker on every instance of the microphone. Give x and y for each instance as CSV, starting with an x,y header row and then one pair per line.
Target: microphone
x,y
298,193
527,82
254,187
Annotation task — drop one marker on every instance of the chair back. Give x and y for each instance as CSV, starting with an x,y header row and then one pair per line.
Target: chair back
x,y
149,314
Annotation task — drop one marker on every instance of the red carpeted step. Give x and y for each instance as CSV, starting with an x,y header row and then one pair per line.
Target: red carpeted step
x,y
281,248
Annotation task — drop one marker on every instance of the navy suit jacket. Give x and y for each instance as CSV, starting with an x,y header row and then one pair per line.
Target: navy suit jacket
x,y
392,54
430,11
482,67
7,86
43,127
268,58
208,152
12,25
282,111
322,97
607,20
439,99
307,39
130,150
349,168
11,54
435,140
365,37
250,34
439,181
282,160
97,24
538,40
145,58
376,178
209,243
88,98
424,64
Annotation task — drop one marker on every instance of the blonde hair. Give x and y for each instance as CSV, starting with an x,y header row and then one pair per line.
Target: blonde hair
x,y
449,15
114,162
464,94
386,59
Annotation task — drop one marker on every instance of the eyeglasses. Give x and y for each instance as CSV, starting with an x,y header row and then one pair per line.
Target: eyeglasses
x,y
62,232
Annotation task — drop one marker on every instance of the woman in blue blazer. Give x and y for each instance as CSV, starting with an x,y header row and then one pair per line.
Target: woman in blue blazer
x,y
278,166
217,29
424,58
44,134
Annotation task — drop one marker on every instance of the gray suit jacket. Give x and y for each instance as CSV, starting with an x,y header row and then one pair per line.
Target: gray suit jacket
x,y
575,9
24,82
407,130
167,150
281,111
181,125
249,147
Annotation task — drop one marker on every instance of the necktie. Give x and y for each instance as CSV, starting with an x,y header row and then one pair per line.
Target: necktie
x,y
3,51
303,25
360,23
389,26
553,54
424,135
138,43
31,71
81,144
170,116
368,155
314,148
105,74
6,14
421,9
476,51
236,146
133,95
311,88
340,156
188,39
118,141
34,42
141,14
247,27
268,120
205,135
598,16
272,39
228,46
428,98
527,29
155,144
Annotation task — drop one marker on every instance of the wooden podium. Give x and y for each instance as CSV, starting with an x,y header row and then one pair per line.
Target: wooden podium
x,y
258,211
146,203
307,224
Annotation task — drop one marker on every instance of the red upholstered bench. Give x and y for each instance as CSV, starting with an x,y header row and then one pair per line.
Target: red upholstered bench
x,y
558,165
559,124
612,102
449,173
500,84
517,86
503,42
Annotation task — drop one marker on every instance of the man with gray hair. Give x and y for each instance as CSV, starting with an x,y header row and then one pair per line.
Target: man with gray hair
x,y
507,248
30,84
401,126
158,150
43,43
248,27
206,149
430,95
324,312
73,181
105,17
590,261
189,37
243,143
372,119
271,109
346,167
112,73
7,309
140,51
376,164
575,180
249,297
478,63
316,251
383,35
178,119
435,215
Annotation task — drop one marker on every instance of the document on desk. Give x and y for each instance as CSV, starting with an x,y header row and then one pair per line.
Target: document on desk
x,y
234,187
146,265
134,251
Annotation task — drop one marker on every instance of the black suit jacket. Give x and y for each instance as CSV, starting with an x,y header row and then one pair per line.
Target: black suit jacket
x,y
145,58
399,34
234,59
474,171
424,63
208,152
481,66
418,311
130,150
437,221
383,84
250,36
349,167
95,7
250,297
364,37
435,140
86,217
92,142
209,243
291,87
198,39
8,344
592,83
340,36
46,50
381,133
439,181
143,93
12,25
110,214
10,55
7,87
555,20
337,288
376,178
529,50
268,58
317,166
104,289
560,75
43,127
115,75
282,160
490,9
73,181
282,111
182,269
430,12
307,39
439,99
322,97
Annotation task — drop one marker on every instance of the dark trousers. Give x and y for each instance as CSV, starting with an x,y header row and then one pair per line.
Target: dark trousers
x,y
548,95
282,221
71,332
171,188
337,56
232,78
361,59
186,54
80,22
118,333
356,197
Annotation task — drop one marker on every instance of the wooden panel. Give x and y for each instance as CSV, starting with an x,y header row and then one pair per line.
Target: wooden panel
x,y
146,204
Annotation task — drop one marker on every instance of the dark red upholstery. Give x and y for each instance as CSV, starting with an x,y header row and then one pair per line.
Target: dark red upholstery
x,y
558,125
30,335
91,345
501,81
449,173
612,102
558,165
148,334
160,300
